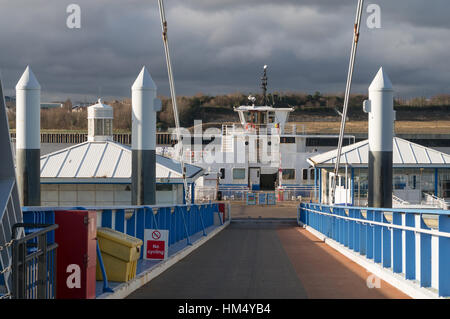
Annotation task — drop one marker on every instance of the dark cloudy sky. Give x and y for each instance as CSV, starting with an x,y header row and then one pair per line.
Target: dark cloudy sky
x,y
220,46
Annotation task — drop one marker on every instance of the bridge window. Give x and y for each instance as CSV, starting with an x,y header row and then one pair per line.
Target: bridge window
x,y
287,140
305,174
238,173
288,174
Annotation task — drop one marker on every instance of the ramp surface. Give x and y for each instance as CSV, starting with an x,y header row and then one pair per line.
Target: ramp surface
x,y
261,260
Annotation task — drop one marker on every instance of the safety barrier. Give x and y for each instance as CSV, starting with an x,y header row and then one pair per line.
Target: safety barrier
x,y
182,221
411,242
34,262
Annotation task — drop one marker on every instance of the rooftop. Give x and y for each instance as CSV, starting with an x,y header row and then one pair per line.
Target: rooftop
x,y
105,160
405,154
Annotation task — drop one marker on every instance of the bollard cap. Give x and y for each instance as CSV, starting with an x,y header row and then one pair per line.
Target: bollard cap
x,y
28,81
381,82
144,81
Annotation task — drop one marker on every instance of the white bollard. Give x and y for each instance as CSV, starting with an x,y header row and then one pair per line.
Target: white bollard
x,y
380,108
28,138
143,139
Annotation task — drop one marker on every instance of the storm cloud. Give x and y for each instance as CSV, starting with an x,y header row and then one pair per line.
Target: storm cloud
x,y
221,46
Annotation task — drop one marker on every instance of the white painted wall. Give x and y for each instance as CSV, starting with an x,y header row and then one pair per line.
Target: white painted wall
x,y
100,195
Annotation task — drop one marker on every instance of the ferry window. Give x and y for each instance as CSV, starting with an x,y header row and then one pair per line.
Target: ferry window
x,y
238,173
287,140
288,173
222,173
304,174
164,187
311,173
271,117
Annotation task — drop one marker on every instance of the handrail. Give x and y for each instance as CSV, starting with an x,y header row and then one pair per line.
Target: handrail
x,y
406,242
399,200
371,222
442,202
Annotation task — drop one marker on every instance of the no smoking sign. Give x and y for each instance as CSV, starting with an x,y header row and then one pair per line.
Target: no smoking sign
x,y
156,244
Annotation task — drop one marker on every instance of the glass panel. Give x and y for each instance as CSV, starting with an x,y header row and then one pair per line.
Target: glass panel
x,y
304,174
238,173
98,126
108,127
288,174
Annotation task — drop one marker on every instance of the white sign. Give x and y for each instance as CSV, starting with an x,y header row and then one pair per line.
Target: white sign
x,y
156,244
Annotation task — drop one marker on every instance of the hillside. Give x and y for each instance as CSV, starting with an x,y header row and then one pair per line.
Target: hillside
x,y
219,109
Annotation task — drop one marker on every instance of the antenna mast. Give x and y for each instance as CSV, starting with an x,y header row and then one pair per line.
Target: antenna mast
x,y
264,85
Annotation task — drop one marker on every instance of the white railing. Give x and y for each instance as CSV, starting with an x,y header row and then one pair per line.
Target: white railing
x,y
263,129
205,193
399,201
436,201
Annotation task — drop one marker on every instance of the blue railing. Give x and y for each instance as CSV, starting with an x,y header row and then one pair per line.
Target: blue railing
x,y
182,221
412,242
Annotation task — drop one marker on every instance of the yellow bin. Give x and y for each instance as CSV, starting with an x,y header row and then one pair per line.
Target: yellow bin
x,y
120,253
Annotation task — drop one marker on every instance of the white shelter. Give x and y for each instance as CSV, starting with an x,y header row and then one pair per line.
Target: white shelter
x,y
420,174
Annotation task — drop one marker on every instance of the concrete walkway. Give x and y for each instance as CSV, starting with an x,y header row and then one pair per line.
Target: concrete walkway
x,y
264,259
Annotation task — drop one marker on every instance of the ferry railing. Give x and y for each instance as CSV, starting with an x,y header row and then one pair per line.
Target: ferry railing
x,y
263,129
205,193
414,243
434,200
294,193
399,201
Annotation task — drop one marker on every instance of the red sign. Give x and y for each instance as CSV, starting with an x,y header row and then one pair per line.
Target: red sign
x,y
156,249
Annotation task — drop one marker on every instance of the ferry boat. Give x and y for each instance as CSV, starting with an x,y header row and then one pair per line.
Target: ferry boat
x,y
261,152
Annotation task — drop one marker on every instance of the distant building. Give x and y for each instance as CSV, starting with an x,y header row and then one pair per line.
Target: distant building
x,y
80,106
10,98
98,172
46,106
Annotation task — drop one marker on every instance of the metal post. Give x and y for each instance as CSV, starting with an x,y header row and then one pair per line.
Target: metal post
x,y
42,266
380,107
28,143
144,108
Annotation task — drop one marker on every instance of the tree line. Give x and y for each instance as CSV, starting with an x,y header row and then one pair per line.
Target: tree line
x,y
210,108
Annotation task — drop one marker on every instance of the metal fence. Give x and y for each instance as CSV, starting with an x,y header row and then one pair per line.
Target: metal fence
x,y
182,221
411,242
34,262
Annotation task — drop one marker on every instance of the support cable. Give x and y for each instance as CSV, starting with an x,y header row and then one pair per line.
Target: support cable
x,y
347,95
174,98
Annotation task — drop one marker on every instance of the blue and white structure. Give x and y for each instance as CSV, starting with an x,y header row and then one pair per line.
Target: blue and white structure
x,y
421,175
